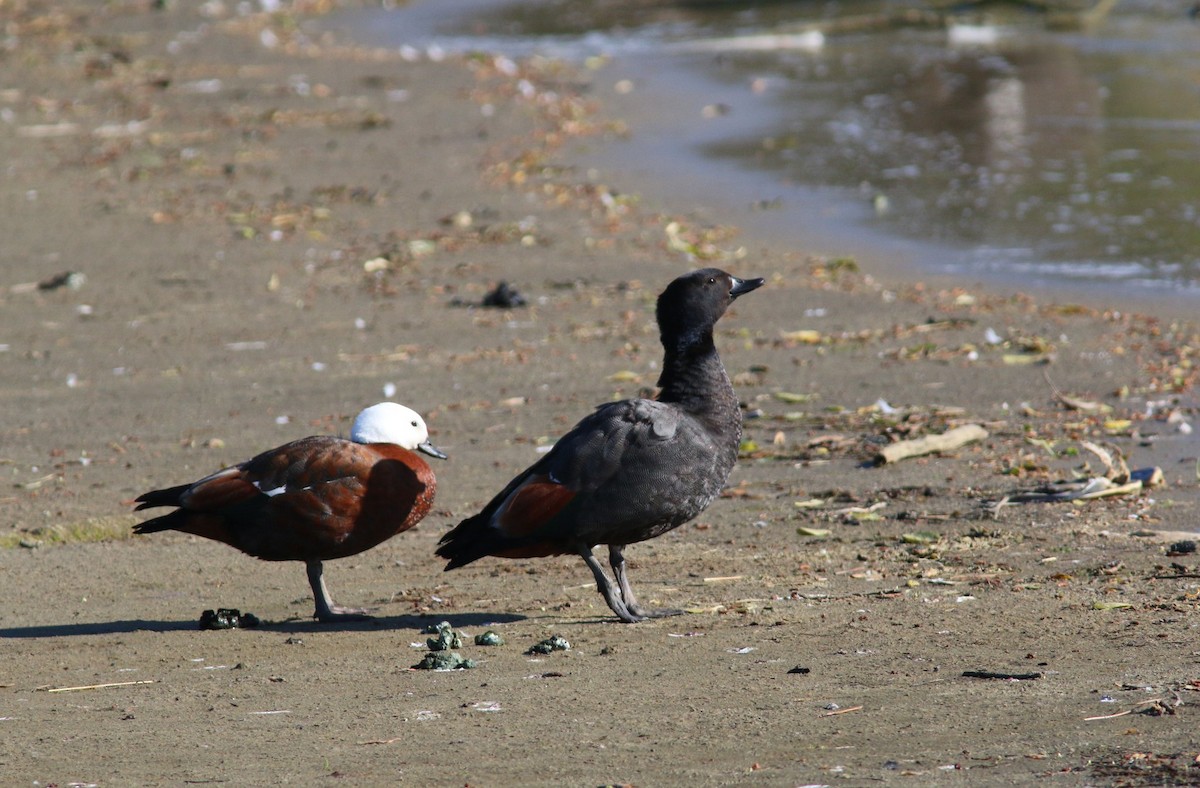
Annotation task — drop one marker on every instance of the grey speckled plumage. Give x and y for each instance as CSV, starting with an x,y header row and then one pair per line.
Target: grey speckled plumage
x,y
634,469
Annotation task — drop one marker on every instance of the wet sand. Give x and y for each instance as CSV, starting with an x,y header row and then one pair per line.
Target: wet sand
x,y
270,235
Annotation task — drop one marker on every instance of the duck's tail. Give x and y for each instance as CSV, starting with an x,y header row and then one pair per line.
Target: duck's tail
x,y
166,497
477,537
468,541
178,520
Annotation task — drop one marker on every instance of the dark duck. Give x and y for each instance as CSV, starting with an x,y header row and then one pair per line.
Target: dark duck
x,y
314,499
634,469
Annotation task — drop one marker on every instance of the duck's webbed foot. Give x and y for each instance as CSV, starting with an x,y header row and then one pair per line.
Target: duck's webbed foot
x,y
616,559
605,586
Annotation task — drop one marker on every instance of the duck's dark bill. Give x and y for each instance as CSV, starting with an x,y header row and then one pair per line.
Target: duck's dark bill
x,y
431,450
743,286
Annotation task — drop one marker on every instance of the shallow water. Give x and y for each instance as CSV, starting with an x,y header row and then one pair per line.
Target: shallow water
x,y
1004,150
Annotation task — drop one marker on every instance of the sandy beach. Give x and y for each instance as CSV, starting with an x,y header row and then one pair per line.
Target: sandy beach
x,y
224,231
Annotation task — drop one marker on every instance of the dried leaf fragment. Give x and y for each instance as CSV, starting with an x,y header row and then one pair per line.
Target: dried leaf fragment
x,y
806,336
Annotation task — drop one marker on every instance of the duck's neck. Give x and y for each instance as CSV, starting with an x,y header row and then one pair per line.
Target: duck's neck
x,y
694,377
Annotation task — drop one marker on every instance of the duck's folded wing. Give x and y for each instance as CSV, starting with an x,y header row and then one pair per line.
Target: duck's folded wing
x,y
584,460
220,491
608,441
295,470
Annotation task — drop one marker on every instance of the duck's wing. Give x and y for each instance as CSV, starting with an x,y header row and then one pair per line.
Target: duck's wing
x,y
300,466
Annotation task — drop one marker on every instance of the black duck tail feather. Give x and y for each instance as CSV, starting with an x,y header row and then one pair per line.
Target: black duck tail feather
x,y
167,497
167,522
466,542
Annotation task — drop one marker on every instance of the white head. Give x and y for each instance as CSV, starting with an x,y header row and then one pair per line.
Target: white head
x,y
391,422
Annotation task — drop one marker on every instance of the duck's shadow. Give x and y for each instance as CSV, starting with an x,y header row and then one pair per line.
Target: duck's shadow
x,y
289,626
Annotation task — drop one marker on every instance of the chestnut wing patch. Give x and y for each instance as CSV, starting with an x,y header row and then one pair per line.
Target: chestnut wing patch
x,y
529,507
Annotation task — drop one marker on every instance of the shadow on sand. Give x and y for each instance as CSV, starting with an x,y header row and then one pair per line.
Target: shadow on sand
x,y
287,625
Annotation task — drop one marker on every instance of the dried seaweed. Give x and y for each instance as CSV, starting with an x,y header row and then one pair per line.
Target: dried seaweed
x,y
550,644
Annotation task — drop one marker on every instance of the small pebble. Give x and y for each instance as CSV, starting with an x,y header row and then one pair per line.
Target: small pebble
x,y
504,296
1185,547
72,279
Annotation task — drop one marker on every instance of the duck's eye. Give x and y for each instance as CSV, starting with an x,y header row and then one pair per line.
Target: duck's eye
x,y
712,280
414,424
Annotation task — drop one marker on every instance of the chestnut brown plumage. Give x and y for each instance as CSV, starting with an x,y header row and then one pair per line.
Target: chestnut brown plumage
x,y
313,499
